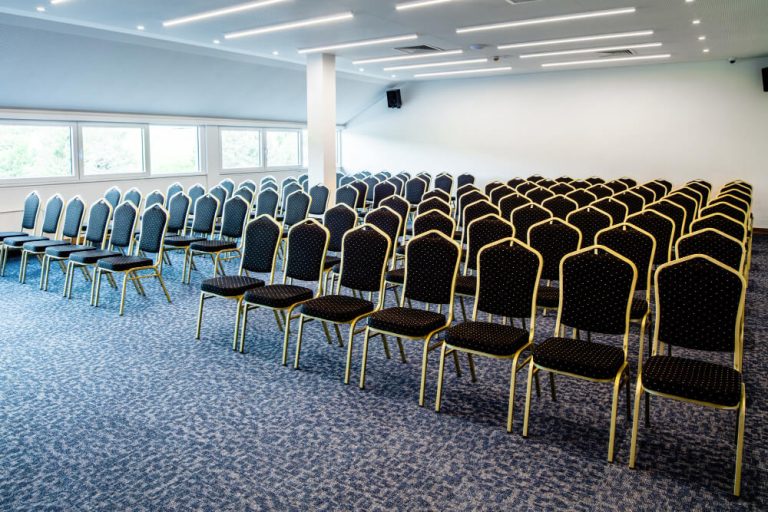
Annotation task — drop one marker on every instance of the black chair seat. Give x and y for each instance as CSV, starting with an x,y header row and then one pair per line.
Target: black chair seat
x,y
331,262
230,286
278,295
396,276
638,309
548,297
579,357
466,285
11,234
19,241
213,246
123,263
406,321
693,379
487,337
42,245
336,308
91,257
182,240
65,251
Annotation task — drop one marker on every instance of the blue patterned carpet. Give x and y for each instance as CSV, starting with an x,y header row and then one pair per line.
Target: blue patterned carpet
x,y
99,412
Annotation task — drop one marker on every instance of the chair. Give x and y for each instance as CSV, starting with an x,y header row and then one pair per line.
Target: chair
x,y
561,188
250,185
228,185
304,262
539,195
295,209
402,208
346,180
52,216
266,203
508,204
178,213
338,221
28,218
634,202
268,185
723,224
629,182
660,227
616,209
560,206
736,198
553,239
473,212
589,221
426,177
134,196
596,289
688,204
582,197
431,265
690,316
665,184
546,183
203,227
465,200
173,189
672,210
703,187
113,196
232,226
616,186
69,233
221,195
525,187
362,193
659,190
347,195
580,184
516,182
414,191
444,182
491,186
648,195
154,197
600,191
498,193
246,194
390,223
121,242
503,294
399,183
371,183
730,211
319,195
382,191
258,256
536,178
365,254
464,179
135,267
440,194
523,217
433,203
196,191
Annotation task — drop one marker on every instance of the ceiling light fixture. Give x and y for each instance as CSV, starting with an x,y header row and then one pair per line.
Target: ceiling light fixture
x,y
355,44
139,27
605,61
408,57
215,13
419,3
705,50
290,25
702,38
696,22
40,8
437,64
591,50
582,39
216,41
549,19
463,72
55,2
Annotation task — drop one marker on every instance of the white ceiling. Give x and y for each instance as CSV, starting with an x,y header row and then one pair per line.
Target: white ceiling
x,y
733,28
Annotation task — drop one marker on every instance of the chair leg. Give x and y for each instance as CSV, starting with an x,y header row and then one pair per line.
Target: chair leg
x,y
552,386
527,414
472,370
42,272
200,317
364,362
327,333
122,293
338,335
463,308
403,358
740,442
3,259
97,295
159,277
424,360
348,366
298,341
440,372
635,422
384,342
512,383
614,413
244,327
287,336
23,270
68,279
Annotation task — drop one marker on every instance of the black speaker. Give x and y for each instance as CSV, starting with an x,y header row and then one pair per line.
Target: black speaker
x,y
765,79
394,100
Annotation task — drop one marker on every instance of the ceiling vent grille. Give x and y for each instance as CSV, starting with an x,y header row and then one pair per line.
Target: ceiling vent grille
x,y
421,48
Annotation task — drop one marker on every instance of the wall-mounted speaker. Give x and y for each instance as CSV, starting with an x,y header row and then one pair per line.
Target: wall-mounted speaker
x,y
765,79
394,100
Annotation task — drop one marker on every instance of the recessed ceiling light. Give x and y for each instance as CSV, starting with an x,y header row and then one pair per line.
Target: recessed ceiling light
x,y
605,61
437,64
408,57
419,3
582,39
55,2
216,41
290,25
689,1
139,27
394,76
217,12
705,50
702,38
463,72
275,52
696,22
549,19
362,70
591,50
40,8
355,44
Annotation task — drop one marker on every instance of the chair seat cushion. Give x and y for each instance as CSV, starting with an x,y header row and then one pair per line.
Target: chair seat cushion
x,y
406,321
548,297
331,262
182,240
19,241
90,257
65,251
487,337
41,245
213,246
123,263
278,296
693,379
230,286
638,309
579,357
336,308
466,285
11,234
396,276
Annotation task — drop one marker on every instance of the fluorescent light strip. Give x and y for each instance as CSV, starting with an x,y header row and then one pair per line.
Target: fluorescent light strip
x,y
408,57
220,12
419,3
463,72
437,64
582,39
355,44
550,19
591,50
290,25
605,61
55,2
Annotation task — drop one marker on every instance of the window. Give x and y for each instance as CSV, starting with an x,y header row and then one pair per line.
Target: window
x,y
174,149
240,148
282,148
113,150
305,148
35,151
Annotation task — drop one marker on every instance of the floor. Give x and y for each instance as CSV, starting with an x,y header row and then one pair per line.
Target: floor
x,y
99,412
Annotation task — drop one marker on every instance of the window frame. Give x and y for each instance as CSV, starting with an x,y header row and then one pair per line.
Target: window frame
x,y
74,144
200,129
145,172
299,150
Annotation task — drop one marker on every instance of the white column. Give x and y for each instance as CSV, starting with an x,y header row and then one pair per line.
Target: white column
x,y
321,120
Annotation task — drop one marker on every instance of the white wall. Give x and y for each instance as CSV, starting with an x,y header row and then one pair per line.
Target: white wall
x,y
677,121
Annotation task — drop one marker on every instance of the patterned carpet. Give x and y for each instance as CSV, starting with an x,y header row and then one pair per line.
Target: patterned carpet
x,y
99,412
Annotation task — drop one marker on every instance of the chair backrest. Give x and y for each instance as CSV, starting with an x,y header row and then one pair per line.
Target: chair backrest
x,y
401,207
716,244
267,179
660,227
399,183
268,185
561,188
73,218
235,216
491,186
221,195
560,206
260,244
433,203
364,259
434,220
388,221
371,182
444,182
580,184
636,245
553,239
296,208
123,226
498,193
648,195
595,180
346,180
266,202
173,189
54,208
465,200
440,194
431,266
600,191
523,217
113,196
535,178
304,178
31,211
382,191
504,293
516,182
476,210
339,220
414,190
672,210
699,306
704,188
657,188
178,212
546,183
134,196
347,195
290,188
464,179
481,232
616,186
723,224
726,209
737,198
204,221
245,193
307,246
582,197
690,206
616,209
525,187
154,197
597,285
589,221
539,195
508,203
634,202
629,182
250,185
228,185
153,227
98,223
426,178
465,189
319,194
362,193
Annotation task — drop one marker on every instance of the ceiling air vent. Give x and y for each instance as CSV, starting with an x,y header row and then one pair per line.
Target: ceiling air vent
x,y
617,53
421,48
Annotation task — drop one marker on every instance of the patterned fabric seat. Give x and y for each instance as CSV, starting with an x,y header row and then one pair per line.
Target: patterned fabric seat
x,y
213,245
64,251
230,286
693,379
42,245
123,263
331,263
19,241
579,357
466,285
406,321
90,257
11,234
487,337
182,240
336,308
548,297
638,309
396,276
278,295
